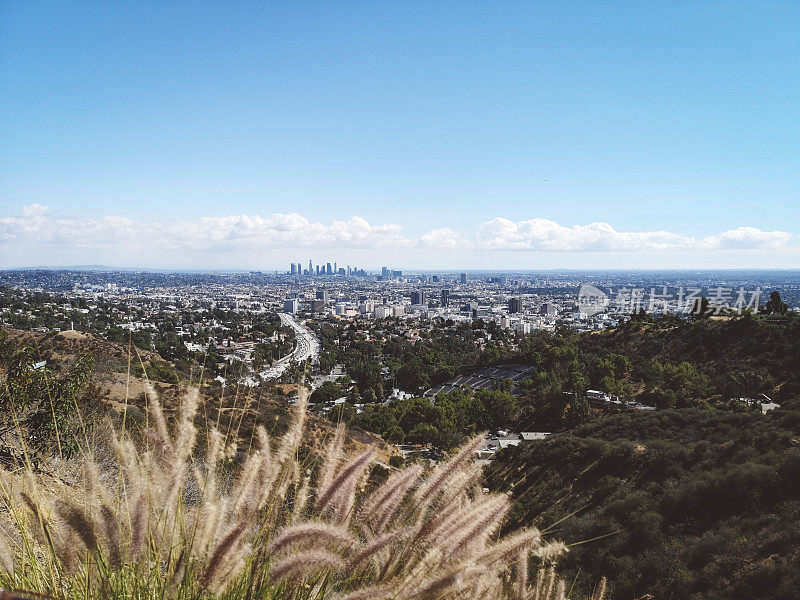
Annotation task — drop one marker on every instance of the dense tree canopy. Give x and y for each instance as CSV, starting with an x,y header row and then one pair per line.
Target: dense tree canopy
x,y
679,504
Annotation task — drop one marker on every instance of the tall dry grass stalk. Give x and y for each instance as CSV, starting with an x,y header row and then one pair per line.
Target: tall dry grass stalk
x,y
166,523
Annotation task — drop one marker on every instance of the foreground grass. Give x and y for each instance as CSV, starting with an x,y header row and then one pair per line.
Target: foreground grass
x,y
167,521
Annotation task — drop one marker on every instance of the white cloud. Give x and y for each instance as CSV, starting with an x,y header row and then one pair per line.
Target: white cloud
x,y
747,238
35,210
254,231
39,226
546,235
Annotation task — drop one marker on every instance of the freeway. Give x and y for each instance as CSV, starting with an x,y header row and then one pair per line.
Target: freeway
x,y
306,348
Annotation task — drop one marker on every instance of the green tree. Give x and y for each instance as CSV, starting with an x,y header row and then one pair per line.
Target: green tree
x,y
47,406
422,433
327,392
576,410
775,305
343,413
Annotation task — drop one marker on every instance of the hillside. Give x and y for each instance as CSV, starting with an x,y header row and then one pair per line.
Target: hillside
x,y
663,362
731,357
697,500
64,346
677,504
106,389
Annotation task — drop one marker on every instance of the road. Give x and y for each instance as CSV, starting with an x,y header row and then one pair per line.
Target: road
x,y
306,348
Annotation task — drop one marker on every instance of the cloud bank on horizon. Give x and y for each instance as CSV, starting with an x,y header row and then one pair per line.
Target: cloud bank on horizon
x,y
37,225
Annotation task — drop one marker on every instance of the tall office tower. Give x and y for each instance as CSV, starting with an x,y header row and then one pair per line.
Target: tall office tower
x,y
335,268
385,272
329,269
513,305
548,308
294,269
317,269
418,297
348,270
299,268
445,297
322,295
291,305
310,267
463,278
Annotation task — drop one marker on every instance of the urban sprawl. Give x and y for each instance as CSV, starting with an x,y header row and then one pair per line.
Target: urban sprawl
x,y
257,328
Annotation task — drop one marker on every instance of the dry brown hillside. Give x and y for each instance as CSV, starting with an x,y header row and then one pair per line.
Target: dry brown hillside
x,y
67,344
236,410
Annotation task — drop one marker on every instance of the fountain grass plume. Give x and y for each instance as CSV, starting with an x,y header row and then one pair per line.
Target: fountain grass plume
x,y
341,486
164,522
305,563
443,473
313,533
372,549
333,456
382,505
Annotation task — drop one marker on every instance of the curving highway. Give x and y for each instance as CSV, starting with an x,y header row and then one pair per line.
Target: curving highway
x,y
306,348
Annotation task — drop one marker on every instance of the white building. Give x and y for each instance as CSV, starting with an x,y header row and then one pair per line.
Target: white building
x,y
382,311
522,327
530,436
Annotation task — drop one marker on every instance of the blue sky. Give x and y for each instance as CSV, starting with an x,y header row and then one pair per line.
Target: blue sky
x,y
423,134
